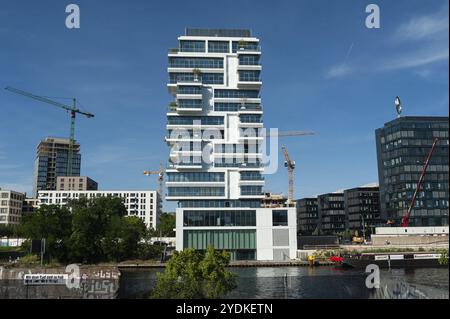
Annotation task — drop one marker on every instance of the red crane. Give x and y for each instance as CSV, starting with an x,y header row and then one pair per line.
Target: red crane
x,y
405,219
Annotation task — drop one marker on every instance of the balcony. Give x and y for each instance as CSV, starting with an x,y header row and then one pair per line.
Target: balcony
x,y
184,165
186,106
249,83
249,67
253,49
173,85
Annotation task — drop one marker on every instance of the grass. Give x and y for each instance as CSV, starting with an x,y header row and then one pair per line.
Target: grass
x,y
10,249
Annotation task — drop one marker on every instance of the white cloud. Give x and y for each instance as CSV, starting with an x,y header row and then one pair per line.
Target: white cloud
x,y
339,70
415,60
424,27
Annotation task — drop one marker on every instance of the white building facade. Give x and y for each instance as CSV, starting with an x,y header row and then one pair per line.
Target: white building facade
x,y
11,203
143,204
214,131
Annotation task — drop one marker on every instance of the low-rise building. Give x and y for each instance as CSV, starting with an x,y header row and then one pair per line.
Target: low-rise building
x,y
29,206
331,212
143,204
307,216
362,207
10,207
75,183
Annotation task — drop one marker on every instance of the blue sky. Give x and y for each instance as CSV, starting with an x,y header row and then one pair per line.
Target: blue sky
x,y
323,70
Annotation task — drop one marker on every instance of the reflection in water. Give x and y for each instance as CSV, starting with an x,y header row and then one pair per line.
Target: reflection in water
x,y
308,283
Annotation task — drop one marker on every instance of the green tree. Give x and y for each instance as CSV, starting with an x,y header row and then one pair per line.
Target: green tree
x,y
90,221
346,234
166,225
191,274
11,231
146,251
52,223
122,238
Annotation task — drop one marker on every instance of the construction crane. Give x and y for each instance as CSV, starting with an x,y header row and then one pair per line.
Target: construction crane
x,y
290,133
290,164
73,111
405,219
160,174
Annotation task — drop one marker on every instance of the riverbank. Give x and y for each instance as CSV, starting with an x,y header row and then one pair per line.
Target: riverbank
x,y
59,282
246,263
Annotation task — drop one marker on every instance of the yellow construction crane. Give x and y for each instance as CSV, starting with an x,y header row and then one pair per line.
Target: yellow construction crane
x,y
290,133
289,163
160,174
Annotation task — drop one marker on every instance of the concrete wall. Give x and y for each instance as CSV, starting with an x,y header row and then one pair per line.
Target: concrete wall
x,y
411,230
97,282
275,242
379,240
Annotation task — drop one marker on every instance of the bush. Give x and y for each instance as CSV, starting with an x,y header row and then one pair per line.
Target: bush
x,y
191,274
443,260
149,252
30,259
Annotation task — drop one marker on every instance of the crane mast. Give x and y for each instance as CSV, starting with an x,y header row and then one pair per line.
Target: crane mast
x,y
290,167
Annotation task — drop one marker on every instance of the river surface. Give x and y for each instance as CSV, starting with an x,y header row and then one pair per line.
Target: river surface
x,y
311,283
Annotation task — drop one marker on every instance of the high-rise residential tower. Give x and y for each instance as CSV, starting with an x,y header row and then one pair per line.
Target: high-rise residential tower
x,y
214,133
403,145
51,162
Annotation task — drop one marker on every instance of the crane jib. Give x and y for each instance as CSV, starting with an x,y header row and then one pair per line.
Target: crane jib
x,y
72,109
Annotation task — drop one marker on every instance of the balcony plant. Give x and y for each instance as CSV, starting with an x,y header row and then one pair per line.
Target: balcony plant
x,y
173,106
197,74
242,44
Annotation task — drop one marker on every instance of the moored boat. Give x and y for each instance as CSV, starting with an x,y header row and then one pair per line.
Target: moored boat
x,y
394,260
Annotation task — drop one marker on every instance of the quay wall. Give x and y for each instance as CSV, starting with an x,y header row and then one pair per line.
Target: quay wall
x,y
84,282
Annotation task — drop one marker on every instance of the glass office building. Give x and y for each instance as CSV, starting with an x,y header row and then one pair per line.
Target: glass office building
x,y
51,162
362,208
307,216
402,148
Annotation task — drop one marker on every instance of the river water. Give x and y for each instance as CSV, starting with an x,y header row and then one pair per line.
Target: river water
x,y
311,283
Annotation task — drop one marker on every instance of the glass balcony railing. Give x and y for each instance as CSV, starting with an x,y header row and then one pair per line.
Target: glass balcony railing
x,y
252,178
249,79
246,48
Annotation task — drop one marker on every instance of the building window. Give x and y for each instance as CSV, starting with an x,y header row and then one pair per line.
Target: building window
x,y
219,218
196,191
224,93
280,218
210,63
192,46
220,239
218,46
